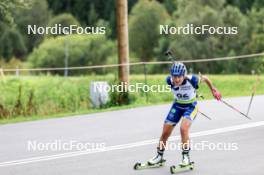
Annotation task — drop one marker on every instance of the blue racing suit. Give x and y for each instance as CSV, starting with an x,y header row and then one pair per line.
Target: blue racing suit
x,y
185,104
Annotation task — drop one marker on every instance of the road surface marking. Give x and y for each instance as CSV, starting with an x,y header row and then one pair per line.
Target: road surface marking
x,y
129,145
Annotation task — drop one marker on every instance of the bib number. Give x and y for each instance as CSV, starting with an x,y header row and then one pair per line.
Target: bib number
x,y
182,96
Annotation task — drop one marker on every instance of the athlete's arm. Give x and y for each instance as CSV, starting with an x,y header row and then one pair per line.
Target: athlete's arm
x,y
217,95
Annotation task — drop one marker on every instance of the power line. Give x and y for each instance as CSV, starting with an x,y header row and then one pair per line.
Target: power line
x,y
138,63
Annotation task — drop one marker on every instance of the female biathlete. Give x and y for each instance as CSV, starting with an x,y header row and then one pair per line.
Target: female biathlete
x,y
184,107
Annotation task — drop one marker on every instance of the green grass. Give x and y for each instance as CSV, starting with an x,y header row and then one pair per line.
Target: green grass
x,y
58,96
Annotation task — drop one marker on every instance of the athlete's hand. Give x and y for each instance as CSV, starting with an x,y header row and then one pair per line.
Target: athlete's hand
x,y
217,95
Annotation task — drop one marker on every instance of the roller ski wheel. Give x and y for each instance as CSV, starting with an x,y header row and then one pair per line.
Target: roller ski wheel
x,y
140,166
180,168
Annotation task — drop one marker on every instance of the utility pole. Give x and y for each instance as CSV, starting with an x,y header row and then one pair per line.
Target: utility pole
x,y
66,56
122,33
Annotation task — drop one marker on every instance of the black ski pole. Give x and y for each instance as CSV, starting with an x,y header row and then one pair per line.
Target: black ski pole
x,y
253,93
234,108
205,115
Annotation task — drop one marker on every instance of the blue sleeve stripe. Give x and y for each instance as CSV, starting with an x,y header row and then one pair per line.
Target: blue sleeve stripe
x,y
195,81
168,80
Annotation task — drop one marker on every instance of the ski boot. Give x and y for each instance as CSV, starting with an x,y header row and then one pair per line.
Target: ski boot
x,y
155,162
184,165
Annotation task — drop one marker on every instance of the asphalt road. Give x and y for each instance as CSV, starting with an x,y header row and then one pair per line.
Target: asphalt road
x,y
129,136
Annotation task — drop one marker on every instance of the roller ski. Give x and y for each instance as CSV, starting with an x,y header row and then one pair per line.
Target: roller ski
x,y
180,168
185,165
155,162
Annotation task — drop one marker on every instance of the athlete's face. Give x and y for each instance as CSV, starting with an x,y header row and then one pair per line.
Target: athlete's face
x,y
177,80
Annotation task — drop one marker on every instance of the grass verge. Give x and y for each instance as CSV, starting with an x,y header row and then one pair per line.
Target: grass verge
x,y
43,97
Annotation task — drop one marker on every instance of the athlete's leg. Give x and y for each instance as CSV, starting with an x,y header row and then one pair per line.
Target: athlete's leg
x,y
185,127
166,132
187,119
171,120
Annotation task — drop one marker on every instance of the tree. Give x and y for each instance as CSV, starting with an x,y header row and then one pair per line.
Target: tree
x,y
89,11
170,5
84,50
92,15
193,46
245,6
7,8
256,44
65,19
12,44
144,21
86,11
38,14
